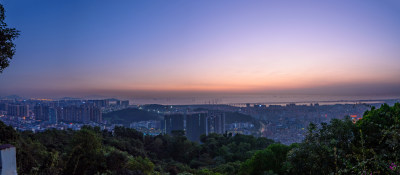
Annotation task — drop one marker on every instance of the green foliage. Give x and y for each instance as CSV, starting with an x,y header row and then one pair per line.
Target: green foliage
x,y
230,148
86,156
269,160
379,133
206,171
7,134
230,168
127,151
7,36
116,159
324,150
33,158
341,147
338,147
142,165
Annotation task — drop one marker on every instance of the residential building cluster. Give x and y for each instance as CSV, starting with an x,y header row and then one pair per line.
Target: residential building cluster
x,y
288,123
38,114
245,128
283,123
76,114
194,123
151,127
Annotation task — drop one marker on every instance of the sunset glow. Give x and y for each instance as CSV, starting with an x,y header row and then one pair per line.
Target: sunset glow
x,y
203,46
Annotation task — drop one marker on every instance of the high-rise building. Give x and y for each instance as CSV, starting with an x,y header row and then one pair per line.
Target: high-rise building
x,y
81,114
18,110
96,115
173,122
196,124
13,110
204,123
216,122
41,112
85,112
53,115
70,114
60,115
3,106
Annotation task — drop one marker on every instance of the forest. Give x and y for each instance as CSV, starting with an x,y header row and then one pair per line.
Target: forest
x,y
369,146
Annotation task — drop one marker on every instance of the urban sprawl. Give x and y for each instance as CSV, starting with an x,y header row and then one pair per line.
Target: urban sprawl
x,y
283,123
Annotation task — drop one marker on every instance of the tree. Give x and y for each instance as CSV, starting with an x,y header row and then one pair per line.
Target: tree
x,y
326,149
7,134
86,156
7,36
268,161
379,133
230,168
143,165
371,146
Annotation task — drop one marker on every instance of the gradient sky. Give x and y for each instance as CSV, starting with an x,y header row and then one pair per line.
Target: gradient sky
x,y
130,47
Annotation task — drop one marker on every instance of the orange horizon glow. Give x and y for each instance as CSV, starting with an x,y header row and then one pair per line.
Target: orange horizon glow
x,y
204,47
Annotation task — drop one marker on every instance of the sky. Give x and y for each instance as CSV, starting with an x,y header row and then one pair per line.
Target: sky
x,y
170,48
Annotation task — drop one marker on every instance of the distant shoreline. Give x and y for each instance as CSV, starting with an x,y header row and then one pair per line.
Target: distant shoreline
x,y
265,100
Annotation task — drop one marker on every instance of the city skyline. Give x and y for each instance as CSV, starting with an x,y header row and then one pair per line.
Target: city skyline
x,y
199,48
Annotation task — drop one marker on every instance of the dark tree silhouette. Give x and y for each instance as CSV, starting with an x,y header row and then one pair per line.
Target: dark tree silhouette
x,y
7,47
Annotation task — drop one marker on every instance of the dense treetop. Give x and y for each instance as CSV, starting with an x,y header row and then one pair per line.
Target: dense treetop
x,y
7,36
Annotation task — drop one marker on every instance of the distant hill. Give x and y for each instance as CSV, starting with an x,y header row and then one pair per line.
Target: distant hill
x,y
236,117
232,117
113,99
155,107
129,115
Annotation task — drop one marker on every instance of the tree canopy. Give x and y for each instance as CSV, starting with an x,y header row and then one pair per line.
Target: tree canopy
x,y
7,36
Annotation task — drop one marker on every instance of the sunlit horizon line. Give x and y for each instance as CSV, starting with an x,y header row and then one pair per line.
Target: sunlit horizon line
x,y
243,87
150,93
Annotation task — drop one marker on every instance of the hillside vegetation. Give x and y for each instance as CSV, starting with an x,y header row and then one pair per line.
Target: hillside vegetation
x,y
370,146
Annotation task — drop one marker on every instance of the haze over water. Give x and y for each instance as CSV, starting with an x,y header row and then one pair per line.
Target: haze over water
x,y
241,100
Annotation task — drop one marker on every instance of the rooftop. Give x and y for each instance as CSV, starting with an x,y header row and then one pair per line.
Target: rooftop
x,y
5,146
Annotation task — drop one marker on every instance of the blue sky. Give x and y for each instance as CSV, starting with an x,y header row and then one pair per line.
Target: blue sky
x,y
127,47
